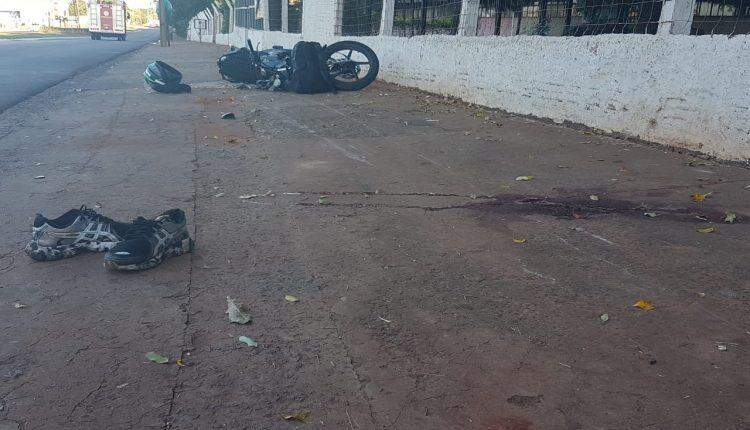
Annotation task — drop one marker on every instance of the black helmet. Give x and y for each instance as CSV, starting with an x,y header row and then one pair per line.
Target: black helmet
x,y
164,78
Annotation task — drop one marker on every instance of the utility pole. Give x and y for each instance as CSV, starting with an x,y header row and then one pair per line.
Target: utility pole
x,y
163,26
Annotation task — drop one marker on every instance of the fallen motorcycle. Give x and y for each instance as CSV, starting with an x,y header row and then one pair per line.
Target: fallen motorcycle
x,y
308,68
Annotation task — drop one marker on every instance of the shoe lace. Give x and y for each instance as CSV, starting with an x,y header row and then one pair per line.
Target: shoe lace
x,y
94,215
141,227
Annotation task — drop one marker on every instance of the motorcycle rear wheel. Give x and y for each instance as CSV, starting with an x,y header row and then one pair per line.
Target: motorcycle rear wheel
x,y
351,72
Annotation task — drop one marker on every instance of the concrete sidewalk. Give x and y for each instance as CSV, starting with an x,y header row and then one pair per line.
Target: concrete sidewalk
x,y
418,307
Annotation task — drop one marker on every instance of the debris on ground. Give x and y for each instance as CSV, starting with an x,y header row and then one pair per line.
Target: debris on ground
x,y
39,177
645,305
730,217
237,312
19,305
604,317
242,87
650,214
519,240
156,358
248,196
181,363
525,401
701,295
721,347
324,200
385,320
229,115
299,416
594,197
247,341
291,298
698,197
706,230
524,178
219,195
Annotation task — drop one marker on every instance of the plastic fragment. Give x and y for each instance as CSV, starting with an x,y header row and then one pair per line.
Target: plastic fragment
x,y
156,358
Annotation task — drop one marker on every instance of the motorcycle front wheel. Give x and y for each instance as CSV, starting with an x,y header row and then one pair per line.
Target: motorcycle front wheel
x,y
352,65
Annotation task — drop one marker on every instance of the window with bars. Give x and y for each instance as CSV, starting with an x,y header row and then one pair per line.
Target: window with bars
x,y
295,16
248,14
361,17
417,17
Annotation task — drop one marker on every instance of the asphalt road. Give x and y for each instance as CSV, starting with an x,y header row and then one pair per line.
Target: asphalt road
x,y
30,66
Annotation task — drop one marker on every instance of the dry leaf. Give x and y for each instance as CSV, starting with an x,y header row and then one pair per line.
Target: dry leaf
x,y
238,313
290,298
645,305
524,178
730,218
698,197
706,230
521,240
299,416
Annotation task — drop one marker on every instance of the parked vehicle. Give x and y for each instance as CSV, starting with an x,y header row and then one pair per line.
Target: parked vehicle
x,y
345,66
108,18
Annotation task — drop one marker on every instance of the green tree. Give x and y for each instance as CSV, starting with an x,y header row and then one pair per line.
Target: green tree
x,y
78,8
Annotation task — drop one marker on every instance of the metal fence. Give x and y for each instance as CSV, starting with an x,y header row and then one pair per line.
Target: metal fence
x,y
505,17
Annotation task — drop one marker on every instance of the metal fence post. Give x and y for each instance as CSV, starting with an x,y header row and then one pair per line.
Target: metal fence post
x,y
676,17
467,24
386,17
285,16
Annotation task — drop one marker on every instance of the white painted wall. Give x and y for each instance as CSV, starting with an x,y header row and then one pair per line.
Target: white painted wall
x,y
684,91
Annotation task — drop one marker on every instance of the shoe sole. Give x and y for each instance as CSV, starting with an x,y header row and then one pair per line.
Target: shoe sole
x,y
53,253
178,248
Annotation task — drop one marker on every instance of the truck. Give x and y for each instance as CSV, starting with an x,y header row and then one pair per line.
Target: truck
x,y
108,18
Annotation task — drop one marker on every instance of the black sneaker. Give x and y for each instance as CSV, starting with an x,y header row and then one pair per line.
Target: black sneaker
x,y
73,232
149,242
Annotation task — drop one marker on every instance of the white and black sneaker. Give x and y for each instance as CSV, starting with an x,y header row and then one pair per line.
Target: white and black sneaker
x,y
149,242
73,232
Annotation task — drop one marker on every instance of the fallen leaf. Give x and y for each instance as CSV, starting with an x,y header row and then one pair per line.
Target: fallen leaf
x,y
645,305
19,305
706,230
248,196
604,317
521,240
594,197
299,416
650,214
247,341
291,298
238,313
698,197
524,178
323,200
156,358
730,218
